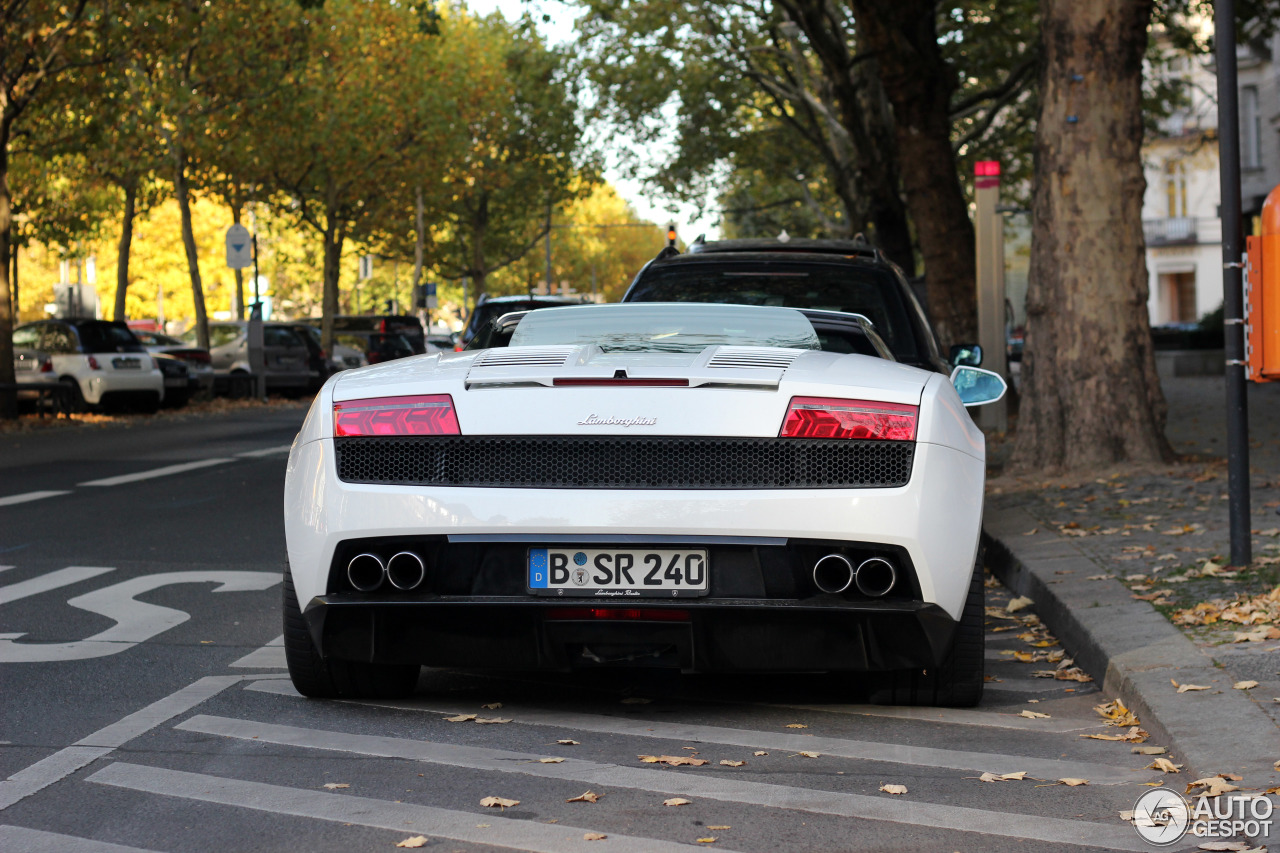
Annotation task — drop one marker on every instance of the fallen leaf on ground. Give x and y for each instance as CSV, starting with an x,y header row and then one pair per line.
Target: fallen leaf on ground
x,y
673,760
550,760
587,797
1237,846
711,839
692,749
1245,685
730,763
484,720
676,801
1017,776
1164,765
461,718
636,700
1183,688
333,785
1033,715
796,726
568,742
492,706
1073,782
812,754
720,828
1098,577
759,752
594,836
1032,532
498,802
1149,750
1134,735
414,841
1019,603
1213,786
894,789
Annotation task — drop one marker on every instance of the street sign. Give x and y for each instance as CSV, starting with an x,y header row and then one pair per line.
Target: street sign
x,y
366,267
239,247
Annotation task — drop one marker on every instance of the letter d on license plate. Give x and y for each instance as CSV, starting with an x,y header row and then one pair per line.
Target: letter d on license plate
x,y
618,572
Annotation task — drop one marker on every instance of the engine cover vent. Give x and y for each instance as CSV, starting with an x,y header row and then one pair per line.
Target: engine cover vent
x,y
760,357
525,357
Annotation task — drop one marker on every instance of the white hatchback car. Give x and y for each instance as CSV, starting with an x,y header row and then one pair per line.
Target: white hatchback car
x,y
101,361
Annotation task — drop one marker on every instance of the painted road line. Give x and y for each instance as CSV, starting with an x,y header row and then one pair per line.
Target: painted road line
x,y
266,451
707,786
52,580
270,656
27,497
957,716
976,762
404,818
156,472
19,839
66,761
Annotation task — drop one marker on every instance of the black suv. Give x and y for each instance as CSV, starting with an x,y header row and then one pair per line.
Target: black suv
x,y
490,308
845,276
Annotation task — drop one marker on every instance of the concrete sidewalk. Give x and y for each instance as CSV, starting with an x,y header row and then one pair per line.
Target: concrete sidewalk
x,y
1111,562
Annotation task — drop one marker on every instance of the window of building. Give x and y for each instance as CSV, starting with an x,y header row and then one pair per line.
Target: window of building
x,y
1175,185
1250,129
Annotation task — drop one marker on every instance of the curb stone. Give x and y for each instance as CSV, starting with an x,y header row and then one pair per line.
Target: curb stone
x,y
1132,651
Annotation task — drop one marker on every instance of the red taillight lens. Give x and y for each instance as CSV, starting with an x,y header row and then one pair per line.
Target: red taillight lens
x,y
93,364
427,415
826,417
610,613
46,366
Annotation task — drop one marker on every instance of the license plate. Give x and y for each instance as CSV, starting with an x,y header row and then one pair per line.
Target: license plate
x,y
126,363
618,572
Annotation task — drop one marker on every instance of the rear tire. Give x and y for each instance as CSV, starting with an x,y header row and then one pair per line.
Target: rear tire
x,y
957,681
318,678
74,396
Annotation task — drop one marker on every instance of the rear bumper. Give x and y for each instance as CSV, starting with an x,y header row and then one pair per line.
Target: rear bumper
x,y
95,388
719,635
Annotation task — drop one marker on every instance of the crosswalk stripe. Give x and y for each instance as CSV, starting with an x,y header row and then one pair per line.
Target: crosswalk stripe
x,y
19,839
690,784
408,818
1041,768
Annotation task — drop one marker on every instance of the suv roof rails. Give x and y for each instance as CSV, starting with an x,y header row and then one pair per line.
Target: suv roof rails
x,y
856,246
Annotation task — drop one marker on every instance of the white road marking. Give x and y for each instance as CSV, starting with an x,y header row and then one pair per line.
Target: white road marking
x,y
27,497
5,568
405,818
66,761
19,839
156,472
958,716
691,784
52,580
266,451
270,656
977,762
136,621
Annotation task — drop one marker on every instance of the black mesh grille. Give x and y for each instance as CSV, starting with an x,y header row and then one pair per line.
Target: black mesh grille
x,y
621,462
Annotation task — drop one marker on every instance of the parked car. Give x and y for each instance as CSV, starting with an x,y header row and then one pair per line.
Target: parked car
x,y
199,363
343,357
178,384
405,325
100,361
374,347
285,354
846,276
697,487
490,308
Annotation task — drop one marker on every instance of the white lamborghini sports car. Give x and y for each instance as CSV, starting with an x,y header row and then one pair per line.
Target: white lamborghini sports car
x,y
691,486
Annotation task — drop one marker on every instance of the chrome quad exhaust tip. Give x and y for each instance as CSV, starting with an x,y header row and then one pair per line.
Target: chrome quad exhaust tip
x,y
366,572
876,577
406,570
833,573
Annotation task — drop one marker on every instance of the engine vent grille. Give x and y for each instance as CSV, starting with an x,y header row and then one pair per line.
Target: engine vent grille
x,y
524,356
778,359
623,462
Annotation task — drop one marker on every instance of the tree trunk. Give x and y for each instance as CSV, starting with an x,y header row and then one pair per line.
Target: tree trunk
x,y
479,271
903,37
130,187
333,240
1090,394
183,193
419,239
8,309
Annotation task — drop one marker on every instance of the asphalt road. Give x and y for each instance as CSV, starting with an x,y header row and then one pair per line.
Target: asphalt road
x,y
144,705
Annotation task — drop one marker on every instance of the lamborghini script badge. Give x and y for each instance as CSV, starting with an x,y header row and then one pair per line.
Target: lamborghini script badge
x,y
594,420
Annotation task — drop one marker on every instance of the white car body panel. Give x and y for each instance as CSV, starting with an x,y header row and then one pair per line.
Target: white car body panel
x,y
107,379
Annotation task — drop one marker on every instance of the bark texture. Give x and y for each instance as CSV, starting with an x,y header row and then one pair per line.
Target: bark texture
x,y
8,310
334,237
183,193
1090,394
130,187
902,35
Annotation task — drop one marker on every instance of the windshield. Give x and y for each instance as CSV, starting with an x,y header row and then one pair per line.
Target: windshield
x,y
829,287
108,337
665,327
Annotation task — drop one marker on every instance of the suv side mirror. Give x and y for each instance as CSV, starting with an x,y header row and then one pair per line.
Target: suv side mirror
x,y
978,387
969,355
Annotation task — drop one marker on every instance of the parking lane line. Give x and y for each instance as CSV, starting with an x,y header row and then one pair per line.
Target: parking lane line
x,y
19,839
977,762
955,716
270,656
27,497
707,786
267,451
405,818
52,580
156,472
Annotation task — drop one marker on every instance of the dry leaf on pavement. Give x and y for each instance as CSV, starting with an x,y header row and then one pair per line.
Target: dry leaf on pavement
x,y
414,841
759,752
332,785
796,726
1165,766
492,706
1033,715
812,754
1245,685
719,828
1116,713
1183,688
894,789
1073,782
550,760
1213,786
1232,846
673,760
676,801
594,836
498,803
1019,603
731,763
461,718
1149,750
483,720
568,742
587,797
711,839
1016,776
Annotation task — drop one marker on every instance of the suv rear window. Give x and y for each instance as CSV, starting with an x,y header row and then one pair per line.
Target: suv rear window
x,y
851,289
107,337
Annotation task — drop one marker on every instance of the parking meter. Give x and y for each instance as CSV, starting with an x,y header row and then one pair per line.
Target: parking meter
x,y
257,357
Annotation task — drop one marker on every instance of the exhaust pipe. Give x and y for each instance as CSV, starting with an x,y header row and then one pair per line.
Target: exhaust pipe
x,y
833,573
875,577
406,570
365,572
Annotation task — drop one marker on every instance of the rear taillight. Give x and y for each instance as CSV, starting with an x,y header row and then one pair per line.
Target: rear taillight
x,y
425,415
46,366
198,357
93,364
826,417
